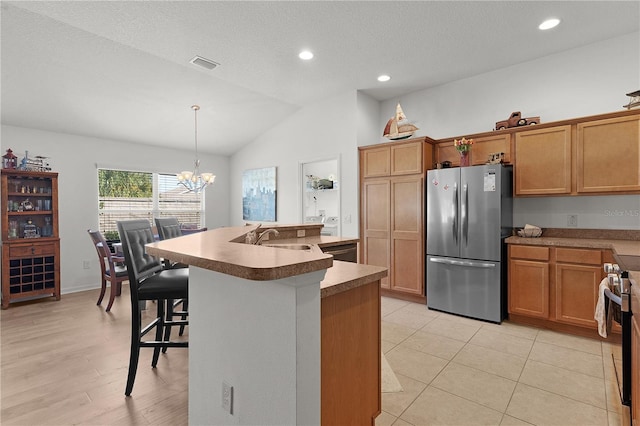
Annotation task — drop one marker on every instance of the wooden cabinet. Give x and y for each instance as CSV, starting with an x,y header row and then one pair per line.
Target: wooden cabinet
x,y
402,158
407,240
392,214
375,224
578,275
608,155
351,357
556,284
479,154
30,241
375,162
543,161
406,158
529,281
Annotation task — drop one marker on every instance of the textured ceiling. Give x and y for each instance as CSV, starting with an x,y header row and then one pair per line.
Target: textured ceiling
x,y
120,70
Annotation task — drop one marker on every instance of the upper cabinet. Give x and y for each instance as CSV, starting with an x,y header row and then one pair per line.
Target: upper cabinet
x,y
543,161
408,157
482,147
596,155
608,155
376,162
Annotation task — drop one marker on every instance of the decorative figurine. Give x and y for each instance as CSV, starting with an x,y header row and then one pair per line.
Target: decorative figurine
x,y
398,127
634,100
9,161
516,120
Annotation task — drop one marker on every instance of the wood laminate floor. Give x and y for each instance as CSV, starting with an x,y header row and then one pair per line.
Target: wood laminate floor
x,y
66,363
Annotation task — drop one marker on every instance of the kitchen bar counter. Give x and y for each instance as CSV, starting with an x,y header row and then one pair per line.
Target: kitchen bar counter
x,y
257,317
216,250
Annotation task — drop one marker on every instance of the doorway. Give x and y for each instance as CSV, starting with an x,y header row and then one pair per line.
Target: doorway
x,y
320,194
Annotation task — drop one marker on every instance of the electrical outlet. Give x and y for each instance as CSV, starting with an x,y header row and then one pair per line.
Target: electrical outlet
x,y
572,220
227,397
301,233
86,264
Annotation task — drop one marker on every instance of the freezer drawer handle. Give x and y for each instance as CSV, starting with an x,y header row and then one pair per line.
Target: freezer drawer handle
x,y
463,263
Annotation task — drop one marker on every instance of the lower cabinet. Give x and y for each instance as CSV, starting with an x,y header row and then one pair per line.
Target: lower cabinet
x,y
30,268
529,281
351,379
555,284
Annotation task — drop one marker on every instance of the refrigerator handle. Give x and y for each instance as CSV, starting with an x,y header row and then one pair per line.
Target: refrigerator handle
x,y
464,212
473,264
455,214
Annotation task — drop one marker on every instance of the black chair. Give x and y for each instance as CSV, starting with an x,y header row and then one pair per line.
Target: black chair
x,y
148,280
170,228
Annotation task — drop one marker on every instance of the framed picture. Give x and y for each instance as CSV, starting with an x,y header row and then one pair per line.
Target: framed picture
x,y
259,194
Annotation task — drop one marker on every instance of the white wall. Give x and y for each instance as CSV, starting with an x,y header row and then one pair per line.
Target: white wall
x,y
318,132
75,158
585,81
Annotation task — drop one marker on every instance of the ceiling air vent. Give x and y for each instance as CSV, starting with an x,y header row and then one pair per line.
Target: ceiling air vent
x,y
204,62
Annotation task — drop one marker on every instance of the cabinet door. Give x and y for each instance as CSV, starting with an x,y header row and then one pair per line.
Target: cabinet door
x,y
447,152
608,155
482,147
376,233
375,161
529,288
576,292
407,246
406,159
543,161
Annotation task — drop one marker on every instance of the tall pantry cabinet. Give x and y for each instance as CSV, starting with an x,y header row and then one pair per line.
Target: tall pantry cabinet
x,y
392,213
30,239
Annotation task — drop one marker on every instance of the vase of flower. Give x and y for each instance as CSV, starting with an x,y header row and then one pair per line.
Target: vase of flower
x,y
463,146
464,158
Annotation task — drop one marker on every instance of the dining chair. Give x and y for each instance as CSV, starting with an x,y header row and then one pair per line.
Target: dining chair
x,y
148,280
168,228
111,268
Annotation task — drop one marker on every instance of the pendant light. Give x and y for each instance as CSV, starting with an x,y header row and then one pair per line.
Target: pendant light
x,y
195,181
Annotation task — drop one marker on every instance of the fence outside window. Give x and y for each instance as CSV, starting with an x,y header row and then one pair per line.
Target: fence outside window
x,y
137,195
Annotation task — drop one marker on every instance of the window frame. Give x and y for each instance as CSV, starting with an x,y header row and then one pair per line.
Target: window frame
x,y
155,211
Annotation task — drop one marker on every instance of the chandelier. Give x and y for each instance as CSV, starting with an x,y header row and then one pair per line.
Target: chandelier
x,y
195,181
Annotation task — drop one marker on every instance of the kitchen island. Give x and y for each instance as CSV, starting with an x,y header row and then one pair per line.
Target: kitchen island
x,y
296,334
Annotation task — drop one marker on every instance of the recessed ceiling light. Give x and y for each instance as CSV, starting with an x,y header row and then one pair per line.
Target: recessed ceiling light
x,y
383,78
549,23
305,55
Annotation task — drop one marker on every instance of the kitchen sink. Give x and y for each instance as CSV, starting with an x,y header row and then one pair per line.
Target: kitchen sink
x,y
290,246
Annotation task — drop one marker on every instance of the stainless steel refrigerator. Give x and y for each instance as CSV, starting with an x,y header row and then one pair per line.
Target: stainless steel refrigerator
x,y
469,214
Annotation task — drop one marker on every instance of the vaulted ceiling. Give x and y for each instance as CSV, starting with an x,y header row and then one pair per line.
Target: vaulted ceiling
x,y
121,70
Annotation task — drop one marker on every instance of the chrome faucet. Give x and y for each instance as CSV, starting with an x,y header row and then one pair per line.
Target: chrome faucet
x,y
265,233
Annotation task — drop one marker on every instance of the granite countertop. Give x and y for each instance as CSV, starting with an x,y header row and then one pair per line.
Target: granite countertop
x,y
222,250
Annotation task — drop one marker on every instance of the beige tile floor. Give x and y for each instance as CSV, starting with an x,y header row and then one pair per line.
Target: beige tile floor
x,y
459,371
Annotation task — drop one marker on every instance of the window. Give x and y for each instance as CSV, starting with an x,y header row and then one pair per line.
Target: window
x,y
124,195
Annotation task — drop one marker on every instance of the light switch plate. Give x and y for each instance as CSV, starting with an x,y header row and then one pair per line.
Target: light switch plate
x,y
301,233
